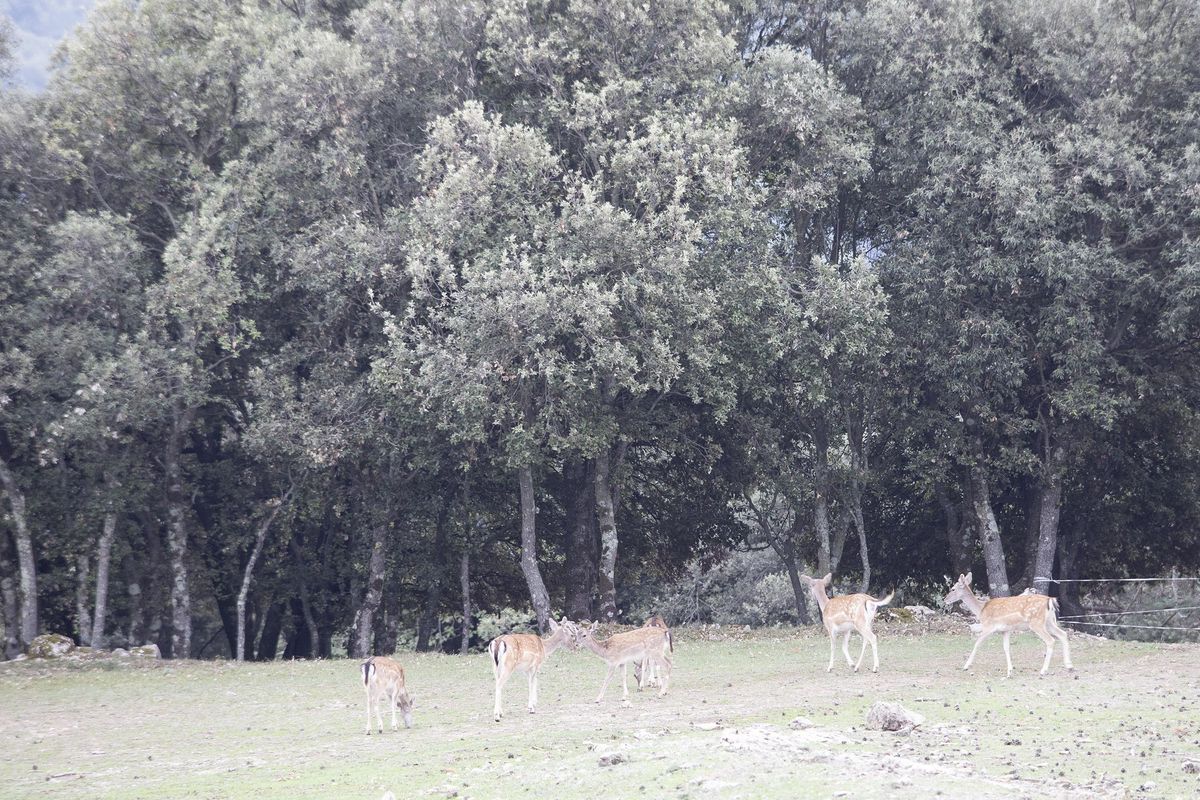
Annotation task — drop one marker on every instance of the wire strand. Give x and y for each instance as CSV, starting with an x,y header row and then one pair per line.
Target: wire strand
x,y
1122,613
1146,627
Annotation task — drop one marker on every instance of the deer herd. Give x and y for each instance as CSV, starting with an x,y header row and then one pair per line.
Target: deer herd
x,y
649,648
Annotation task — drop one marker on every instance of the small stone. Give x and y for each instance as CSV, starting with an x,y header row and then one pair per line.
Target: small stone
x,y
884,716
611,759
801,724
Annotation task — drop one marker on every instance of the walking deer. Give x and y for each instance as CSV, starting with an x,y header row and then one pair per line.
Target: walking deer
x,y
526,652
652,676
650,645
384,678
845,614
1025,612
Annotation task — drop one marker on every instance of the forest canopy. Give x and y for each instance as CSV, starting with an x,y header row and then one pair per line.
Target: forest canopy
x,y
335,324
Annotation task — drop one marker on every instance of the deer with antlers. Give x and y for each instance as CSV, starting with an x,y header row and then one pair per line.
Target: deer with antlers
x,y
845,614
650,645
383,678
526,652
1025,612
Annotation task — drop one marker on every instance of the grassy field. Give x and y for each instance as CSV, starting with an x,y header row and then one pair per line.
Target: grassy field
x,y
1126,723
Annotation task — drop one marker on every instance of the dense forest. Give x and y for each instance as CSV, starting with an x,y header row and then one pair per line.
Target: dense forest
x,y
334,324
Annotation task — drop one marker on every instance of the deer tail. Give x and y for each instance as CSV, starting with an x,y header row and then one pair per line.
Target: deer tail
x,y
497,650
885,600
368,668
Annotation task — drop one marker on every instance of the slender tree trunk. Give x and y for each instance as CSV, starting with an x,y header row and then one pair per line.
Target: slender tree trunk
x,y
464,582
529,564
301,578
268,640
822,489
606,518
841,528
103,560
260,539
177,535
365,618
859,525
1033,514
1051,511
433,592
798,589
83,613
27,594
11,605
581,568
989,534
957,532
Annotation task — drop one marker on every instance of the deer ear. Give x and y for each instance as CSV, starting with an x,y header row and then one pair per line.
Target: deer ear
x,y
966,579
828,577
553,624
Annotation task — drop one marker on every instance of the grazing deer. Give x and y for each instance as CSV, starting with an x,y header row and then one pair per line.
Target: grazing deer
x,y
652,676
844,614
650,644
525,652
1025,612
384,677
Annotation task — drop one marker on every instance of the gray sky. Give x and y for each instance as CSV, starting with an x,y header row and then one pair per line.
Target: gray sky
x,y
40,24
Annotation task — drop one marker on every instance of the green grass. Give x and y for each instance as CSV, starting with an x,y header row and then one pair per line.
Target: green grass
x,y
1126,718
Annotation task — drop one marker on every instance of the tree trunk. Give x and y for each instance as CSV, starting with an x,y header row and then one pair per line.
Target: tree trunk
x,y
607,520
437,578
364,620
268,641
857,515
260,539
11,606
529,563
177,535
27,595
989,534
464,582
798,590
1033,514
822,489
581,535
301,582
103,560
957,532
83,613
1051,510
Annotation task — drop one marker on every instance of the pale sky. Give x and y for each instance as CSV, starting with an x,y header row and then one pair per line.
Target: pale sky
x,y
40,25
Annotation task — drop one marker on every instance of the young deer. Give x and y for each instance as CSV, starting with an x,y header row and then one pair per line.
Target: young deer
x,y
384,677
652,676
851,612
525,652
649,644
1025,612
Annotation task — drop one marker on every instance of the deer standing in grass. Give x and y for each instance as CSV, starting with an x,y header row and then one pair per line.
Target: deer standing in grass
x,y
845,614
1025,612
648,645
652,677
384,678
526,652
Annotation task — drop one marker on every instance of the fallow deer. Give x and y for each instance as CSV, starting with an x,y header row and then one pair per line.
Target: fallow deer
x,y
652,676
384,678
1025,612
844,614
525,652
650,645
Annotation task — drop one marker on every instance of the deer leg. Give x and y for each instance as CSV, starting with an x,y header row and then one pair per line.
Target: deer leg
x,y
625,683
663,670
832,650
611,671
1061,635
869,636
502,674
368,711
392,694
1007,653
846,649
863,651
533,690
975,649
378,703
